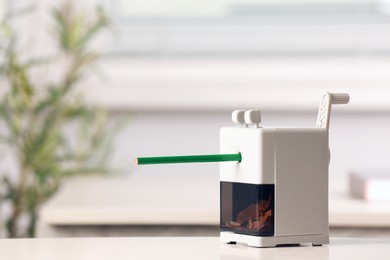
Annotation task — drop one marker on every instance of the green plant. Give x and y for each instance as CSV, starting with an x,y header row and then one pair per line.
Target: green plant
x,y
46,127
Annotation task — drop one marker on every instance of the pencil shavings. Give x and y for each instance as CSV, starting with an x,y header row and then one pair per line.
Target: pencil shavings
x,y
255,212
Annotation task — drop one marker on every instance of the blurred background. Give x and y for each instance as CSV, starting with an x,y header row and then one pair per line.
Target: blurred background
x,y
169,74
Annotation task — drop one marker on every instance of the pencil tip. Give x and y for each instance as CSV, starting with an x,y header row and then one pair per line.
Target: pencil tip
x,y
136,161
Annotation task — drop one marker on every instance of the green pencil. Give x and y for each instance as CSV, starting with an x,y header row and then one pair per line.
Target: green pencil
x,y
189,159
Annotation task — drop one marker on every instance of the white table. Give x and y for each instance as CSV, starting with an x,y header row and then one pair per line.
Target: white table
x,y
183,248
148,198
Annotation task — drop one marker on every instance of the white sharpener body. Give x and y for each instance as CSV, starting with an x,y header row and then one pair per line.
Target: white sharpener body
x,y
293,160
278,193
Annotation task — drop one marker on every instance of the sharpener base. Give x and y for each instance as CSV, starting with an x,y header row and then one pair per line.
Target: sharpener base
x,y
272,241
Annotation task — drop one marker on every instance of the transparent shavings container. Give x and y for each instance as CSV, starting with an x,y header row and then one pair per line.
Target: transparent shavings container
x,y
247,208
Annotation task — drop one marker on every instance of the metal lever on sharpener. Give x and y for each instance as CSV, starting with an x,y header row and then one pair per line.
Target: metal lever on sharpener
x,y
328,100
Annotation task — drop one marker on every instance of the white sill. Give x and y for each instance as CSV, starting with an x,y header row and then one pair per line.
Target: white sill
x,y
228,83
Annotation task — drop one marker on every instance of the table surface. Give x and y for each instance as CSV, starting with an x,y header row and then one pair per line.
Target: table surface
x,y
183,248
148,198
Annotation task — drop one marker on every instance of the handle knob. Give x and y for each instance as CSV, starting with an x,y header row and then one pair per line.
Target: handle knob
x,y
238,117
253,117
339,98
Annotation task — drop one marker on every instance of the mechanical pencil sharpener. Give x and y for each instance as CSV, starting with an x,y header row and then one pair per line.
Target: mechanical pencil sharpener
x,y
273,180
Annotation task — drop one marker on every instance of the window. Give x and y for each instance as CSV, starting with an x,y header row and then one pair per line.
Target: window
x,y
251,27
